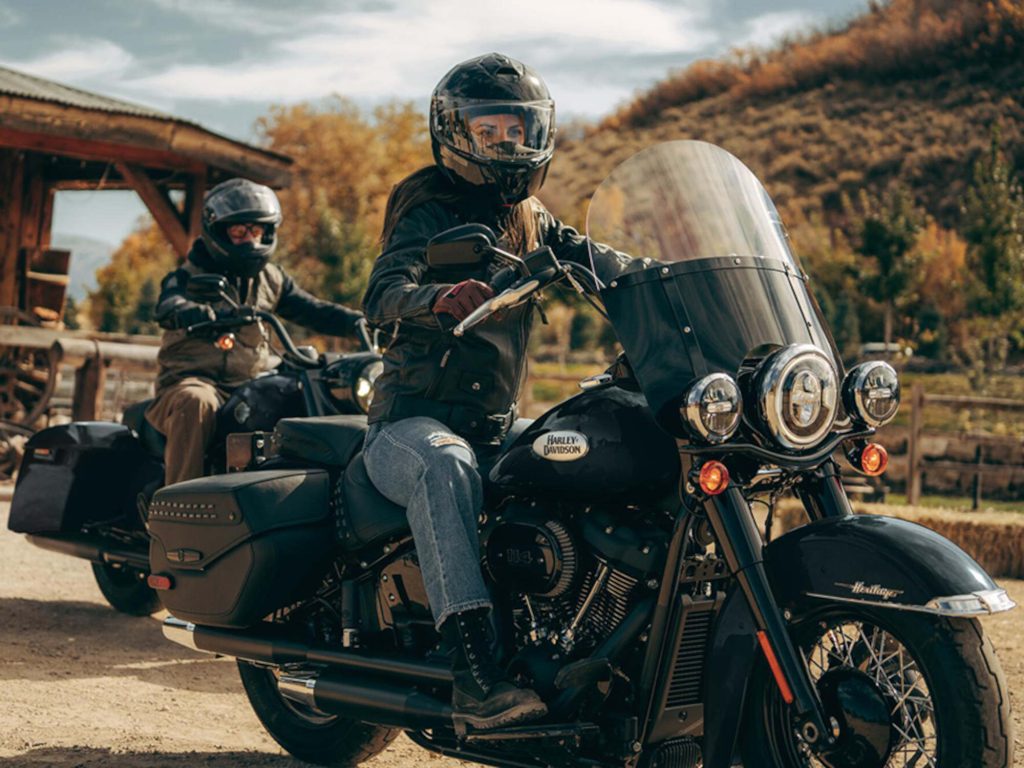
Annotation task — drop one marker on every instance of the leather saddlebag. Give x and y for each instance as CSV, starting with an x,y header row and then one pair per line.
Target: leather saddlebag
x,y
82,473
238,547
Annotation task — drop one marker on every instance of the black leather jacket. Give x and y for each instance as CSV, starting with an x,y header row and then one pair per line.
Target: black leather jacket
x,y
470,383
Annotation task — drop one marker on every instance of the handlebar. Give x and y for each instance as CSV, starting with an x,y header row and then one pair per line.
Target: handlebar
x,y
232,323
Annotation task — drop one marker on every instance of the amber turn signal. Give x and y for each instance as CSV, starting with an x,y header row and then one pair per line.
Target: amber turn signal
x,y
225,343
714,478
873,459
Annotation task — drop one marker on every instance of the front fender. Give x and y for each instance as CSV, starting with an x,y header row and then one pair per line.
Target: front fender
x,y
878,561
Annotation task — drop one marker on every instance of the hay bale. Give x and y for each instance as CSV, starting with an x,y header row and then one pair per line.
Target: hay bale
x,y
994,539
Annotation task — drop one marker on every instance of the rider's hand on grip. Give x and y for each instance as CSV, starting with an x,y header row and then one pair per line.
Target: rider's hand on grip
x,y
461,299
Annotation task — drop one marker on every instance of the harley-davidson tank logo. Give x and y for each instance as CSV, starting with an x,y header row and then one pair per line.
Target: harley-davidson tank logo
x,y
874,590
563,445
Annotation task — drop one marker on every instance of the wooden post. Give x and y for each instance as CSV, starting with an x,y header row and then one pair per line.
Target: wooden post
x,y
89,384
914,445
12,192
976,503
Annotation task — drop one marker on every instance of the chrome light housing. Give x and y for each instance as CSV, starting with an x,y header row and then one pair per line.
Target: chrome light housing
x,y
871,393
712,408
350,381
798,395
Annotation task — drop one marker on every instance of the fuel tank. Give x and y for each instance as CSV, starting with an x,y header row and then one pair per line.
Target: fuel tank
x,y
259,404
603,443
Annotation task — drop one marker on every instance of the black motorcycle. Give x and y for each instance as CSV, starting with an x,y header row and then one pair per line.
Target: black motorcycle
x,y
84,488
635,590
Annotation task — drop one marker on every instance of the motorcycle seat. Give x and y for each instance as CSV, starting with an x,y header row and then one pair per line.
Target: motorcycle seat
x,y
365,516
134,417
327,440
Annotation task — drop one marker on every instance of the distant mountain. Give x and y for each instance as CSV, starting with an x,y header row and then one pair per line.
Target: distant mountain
x,y
911,90
87,255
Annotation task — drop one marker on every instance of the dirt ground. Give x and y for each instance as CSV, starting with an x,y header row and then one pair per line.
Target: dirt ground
x,y
82,686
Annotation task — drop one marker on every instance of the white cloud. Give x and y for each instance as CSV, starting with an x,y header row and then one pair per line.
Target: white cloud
x,y
401,53
8,16
78,61
766,30
234,15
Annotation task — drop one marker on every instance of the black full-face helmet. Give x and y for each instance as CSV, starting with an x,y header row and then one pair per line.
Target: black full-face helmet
x,y
240,201
495,89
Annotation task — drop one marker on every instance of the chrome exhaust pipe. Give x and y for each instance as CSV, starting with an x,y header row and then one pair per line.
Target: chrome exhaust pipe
x,y
182,633
369,701
264,648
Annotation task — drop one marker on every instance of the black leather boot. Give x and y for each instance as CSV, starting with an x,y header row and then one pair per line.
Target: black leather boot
x,y
481,698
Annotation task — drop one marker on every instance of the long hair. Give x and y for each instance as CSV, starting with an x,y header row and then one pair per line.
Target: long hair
x,y
430,185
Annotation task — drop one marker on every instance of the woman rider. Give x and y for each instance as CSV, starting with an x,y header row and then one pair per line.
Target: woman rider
x,y
441,400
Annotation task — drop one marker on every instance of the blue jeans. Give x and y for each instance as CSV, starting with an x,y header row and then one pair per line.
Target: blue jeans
x,y
420,464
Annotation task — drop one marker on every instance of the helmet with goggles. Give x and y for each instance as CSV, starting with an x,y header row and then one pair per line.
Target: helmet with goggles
x,y
226,208
492,125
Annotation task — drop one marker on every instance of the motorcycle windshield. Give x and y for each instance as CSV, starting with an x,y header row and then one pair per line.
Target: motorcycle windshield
x,y
712,281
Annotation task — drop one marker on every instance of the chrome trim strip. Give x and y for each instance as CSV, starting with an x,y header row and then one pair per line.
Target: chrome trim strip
x,y
984,603
181,632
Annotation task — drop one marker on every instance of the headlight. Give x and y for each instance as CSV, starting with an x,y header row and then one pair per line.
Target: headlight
x,y
350,381
871,393
798,395
364,384
712,408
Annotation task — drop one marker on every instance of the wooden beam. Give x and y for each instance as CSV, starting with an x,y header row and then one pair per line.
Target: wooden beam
x,y
101,134
102,151
167,217
193,212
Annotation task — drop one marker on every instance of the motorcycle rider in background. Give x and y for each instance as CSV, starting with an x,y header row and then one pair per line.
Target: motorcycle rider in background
x,y
442,401
239,234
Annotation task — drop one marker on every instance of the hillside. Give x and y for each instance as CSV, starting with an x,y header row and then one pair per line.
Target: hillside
x,y
87,255
911,90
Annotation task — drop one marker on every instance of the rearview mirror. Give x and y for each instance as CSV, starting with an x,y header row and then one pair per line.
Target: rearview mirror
x,y
207,288
465,245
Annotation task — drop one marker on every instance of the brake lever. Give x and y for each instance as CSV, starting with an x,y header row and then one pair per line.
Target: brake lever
x,y
507,298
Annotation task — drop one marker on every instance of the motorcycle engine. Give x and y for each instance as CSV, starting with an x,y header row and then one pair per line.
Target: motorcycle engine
x,y
573,575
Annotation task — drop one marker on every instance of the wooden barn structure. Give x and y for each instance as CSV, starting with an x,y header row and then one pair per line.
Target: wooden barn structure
x,y
52,138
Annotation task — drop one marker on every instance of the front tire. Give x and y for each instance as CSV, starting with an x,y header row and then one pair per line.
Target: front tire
x,y
940,679
305,733
126,589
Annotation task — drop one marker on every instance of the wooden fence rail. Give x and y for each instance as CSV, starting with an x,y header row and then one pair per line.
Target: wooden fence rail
x,y
918,464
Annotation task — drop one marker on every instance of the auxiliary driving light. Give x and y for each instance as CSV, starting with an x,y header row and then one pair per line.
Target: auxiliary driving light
x,y
871,393
712,408
714,478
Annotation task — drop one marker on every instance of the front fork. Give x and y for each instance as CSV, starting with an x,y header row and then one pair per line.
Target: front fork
x,y
742,546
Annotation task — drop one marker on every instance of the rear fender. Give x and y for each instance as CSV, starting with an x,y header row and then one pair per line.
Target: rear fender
x,y
878,561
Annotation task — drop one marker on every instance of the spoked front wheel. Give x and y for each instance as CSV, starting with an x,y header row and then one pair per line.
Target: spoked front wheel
x,y
905,690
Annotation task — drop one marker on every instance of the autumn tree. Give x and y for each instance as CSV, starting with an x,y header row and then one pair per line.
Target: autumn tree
x,y
141,260
884,230
993,225
346,162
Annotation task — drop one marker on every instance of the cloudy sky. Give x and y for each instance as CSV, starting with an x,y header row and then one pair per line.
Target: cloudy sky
x,y
223,62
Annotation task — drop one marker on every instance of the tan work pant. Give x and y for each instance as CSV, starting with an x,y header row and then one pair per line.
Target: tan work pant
x,y
186,413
